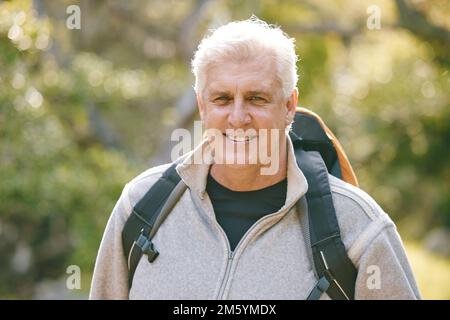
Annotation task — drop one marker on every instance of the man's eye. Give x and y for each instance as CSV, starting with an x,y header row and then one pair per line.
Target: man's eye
x,y
222,99
256,98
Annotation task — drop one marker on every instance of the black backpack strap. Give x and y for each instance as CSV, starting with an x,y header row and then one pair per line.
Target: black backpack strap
x,y
313,137
146,217
336,272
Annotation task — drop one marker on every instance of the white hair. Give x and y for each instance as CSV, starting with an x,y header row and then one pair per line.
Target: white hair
x,y
247,40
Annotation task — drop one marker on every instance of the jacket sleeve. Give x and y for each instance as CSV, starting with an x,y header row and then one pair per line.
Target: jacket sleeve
x,y
384,271
110,278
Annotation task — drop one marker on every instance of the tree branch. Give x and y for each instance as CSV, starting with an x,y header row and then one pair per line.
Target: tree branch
x,y
416,22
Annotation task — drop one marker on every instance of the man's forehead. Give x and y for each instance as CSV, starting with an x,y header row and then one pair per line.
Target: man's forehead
x,y
221,87
243,84
247,76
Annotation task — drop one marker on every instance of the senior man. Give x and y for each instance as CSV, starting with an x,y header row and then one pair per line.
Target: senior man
x,y
234,230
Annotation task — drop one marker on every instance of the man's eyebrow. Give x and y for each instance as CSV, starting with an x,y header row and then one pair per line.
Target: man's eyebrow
x,y
219,93
258,92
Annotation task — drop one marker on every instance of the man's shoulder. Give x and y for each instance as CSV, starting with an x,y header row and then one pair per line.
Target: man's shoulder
x,y
139,185
355,196
360,217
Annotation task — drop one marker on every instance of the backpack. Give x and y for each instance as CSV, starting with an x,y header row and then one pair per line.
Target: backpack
x,y
318,154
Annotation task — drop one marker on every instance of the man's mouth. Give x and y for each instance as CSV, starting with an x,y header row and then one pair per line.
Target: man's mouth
x,y
239,139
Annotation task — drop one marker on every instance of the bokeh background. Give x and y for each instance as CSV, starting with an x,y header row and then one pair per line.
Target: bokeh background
x,y
84,111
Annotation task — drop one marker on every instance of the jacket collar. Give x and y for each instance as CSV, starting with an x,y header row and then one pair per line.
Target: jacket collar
x,y
194,168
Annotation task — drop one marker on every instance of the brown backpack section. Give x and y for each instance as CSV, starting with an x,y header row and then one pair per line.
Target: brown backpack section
x,y
348,175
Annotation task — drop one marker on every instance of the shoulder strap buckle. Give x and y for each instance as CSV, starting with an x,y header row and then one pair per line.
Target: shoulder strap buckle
x,y
321,286
147,247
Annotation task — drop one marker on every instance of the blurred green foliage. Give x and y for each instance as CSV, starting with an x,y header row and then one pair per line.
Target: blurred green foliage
x,y
84,111
431,272
56,190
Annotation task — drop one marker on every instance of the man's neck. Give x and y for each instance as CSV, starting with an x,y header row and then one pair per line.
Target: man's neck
x,y
248,177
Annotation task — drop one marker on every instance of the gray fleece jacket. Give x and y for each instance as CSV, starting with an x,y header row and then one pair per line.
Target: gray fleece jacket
x,y
271,261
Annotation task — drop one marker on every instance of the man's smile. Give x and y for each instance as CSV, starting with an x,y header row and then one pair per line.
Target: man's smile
x,y
239,139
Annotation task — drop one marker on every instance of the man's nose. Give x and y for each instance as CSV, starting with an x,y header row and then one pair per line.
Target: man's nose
x,y
239,116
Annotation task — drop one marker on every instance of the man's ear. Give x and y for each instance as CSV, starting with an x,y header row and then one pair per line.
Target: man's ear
x,y
291,104
201,106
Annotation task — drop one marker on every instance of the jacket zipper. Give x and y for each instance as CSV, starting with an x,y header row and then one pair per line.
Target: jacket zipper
x,y
226,277
229,262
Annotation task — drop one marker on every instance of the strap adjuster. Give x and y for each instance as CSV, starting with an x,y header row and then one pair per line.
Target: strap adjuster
x,y
147,247
321,286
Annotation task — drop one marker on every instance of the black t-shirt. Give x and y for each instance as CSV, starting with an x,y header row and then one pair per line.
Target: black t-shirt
x,y
237,211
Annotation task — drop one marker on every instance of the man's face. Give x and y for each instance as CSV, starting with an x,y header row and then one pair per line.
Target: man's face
x,y
245,103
